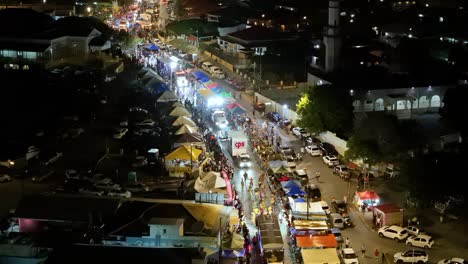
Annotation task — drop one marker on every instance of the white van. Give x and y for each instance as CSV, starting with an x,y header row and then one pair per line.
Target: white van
x,y
337,220
206,66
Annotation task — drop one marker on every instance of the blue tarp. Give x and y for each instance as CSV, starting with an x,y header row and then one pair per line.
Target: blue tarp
x,y
289,184
217,90
204,79
199,75
300,200
294,191
151,47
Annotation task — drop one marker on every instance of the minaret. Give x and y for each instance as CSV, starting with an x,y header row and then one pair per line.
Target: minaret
x,y
332,37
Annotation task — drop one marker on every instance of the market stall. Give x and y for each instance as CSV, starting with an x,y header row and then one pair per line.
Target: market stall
x,y
366,199
180,111
320,256
389,214
182,160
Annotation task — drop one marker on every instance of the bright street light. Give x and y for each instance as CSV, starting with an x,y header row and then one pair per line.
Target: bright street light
x,y
172,65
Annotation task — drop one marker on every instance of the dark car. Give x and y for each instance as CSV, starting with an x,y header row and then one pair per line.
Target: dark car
x,y
259,107
312,141
339,206
273,117
327,149
314,193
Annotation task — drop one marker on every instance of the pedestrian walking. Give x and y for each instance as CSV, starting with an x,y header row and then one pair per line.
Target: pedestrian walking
x,y
347,242
383,257
363,250
376,253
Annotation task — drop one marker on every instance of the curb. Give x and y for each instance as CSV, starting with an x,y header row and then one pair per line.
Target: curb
x,y
365,222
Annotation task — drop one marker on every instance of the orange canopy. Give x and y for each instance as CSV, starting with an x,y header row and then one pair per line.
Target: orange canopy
x,y
321,241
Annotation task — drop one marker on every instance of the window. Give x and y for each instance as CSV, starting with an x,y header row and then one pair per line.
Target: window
x,y
369,102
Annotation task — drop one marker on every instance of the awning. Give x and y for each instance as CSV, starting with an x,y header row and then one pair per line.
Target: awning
x,y
184,153
367,195
310,224
237,111
318,241
151,47
199,75
180,111
206,93
186,129
320,256
217,90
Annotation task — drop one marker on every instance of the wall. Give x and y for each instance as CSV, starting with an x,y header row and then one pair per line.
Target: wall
x,y
217,59
172,231
339,144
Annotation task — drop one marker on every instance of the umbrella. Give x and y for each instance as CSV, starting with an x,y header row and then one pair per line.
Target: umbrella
x,y
295,191
281,169
151,47
180,111
186,129
183,120
209,181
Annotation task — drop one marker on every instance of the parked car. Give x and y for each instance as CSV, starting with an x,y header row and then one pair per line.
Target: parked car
x,y
138,109
452,261
259,106
206,66
422,241
349,256
146,122
145,131
273,116
313,150
139,161
314,193
91,191
300,132
414,230
121,193
327,149
5,178
337,233
137,187
107,186
119,133
411,256
52,158
301,174
393,232
330,160
72,174
290,162
75,131
43,176
325,207
339,206
312,141
341,170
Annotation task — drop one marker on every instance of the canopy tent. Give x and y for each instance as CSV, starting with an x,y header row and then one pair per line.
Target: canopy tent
x,y
167,96
289,184
209,181
186,129
294,191
389,214
206,93
180,111
210,84
225,94
157,86
178,104
320,256
237,111
281,169
141,73
310,225
152,47
367,198
190,140
184,153
217,90
183,120
199,75
317,241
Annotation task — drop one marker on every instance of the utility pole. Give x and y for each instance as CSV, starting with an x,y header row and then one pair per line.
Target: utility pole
x,y
307,196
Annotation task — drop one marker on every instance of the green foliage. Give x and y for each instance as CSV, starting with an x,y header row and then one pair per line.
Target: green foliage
x,y
454,111
381,137
325,108
125,3
128,41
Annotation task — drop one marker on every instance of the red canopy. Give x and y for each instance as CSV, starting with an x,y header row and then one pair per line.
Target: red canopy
x,y
367,195
230,106
213,85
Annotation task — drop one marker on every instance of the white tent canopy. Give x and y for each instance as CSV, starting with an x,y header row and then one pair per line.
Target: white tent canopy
x,y
209,181
183,120
167,96
177,104
180,111
186,129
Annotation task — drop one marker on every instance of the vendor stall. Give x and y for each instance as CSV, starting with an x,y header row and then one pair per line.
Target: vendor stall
x,y
316,241
320,256
182,160
366,199
389,214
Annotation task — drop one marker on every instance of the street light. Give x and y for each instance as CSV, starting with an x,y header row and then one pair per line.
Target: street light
x,y
172,65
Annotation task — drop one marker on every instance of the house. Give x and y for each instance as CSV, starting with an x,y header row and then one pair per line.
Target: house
x,y
49,42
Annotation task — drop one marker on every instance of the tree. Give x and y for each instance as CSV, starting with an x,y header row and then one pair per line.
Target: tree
x,y
125,3
325,108
381,137
454,111
128,41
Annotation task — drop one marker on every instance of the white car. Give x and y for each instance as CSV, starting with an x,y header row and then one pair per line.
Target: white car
x,y
125,194
244,160
91,192
393,232
325,207
330,160
313,150
145,131
146,122
5,178
411,256
300,132
109,78
296,131
422,241
140,161
289,162
138,109
120,133
137,187
452,261
349,256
